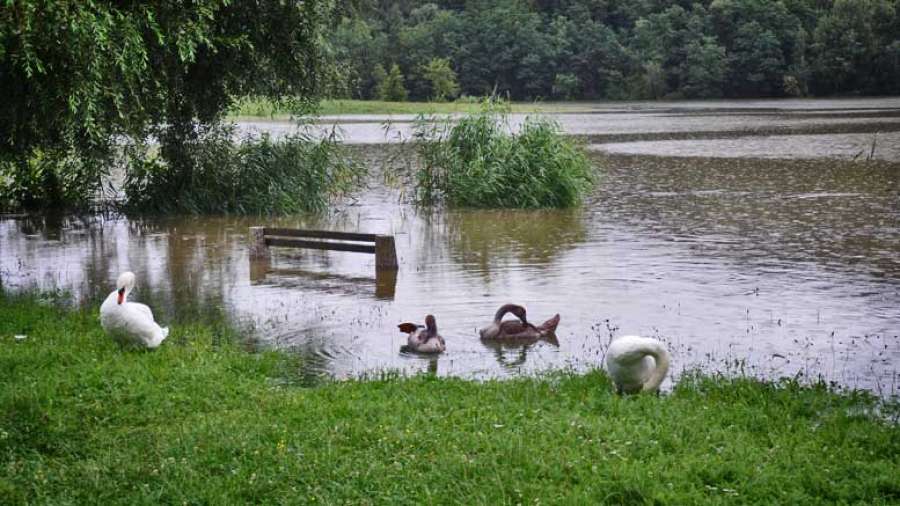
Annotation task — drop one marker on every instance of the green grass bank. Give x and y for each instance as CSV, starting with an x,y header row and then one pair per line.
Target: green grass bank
x,y
263,108
203,421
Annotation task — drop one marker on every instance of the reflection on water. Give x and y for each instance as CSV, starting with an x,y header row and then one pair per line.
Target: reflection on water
x,y
778,267
383,283
490,237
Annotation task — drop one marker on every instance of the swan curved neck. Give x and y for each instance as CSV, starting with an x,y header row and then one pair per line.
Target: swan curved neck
x,y
124,285
662,359
506,308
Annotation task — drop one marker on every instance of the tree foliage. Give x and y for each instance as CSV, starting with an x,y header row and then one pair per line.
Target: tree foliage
x,y
442,78
75,76
389,85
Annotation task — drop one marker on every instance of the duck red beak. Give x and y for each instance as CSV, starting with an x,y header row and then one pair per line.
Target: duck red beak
x,y
121,295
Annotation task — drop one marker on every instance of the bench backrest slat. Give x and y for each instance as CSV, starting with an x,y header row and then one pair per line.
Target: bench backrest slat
x,y
334,246
319,234
261,238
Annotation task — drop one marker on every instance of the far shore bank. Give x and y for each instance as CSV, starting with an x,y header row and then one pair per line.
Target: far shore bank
x,y
264,109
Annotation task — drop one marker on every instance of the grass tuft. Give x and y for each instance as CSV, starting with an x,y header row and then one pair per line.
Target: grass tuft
x,y
201,421
476,162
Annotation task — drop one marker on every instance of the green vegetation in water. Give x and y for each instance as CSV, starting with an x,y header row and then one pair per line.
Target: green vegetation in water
x,y
200,420
254,176
476,162
51,180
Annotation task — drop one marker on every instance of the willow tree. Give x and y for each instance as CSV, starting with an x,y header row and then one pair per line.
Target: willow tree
x,y
77,77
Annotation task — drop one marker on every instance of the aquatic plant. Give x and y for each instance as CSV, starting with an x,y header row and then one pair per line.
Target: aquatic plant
x,y
257,175
477,162
53,180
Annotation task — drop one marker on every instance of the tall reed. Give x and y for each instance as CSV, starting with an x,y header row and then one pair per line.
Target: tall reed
x,y
478,161
253,176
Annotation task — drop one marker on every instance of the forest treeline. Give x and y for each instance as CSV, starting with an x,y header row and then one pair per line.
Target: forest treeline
x,y
616,49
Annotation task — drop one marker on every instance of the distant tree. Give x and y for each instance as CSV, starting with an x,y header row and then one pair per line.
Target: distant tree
x,y
442,78
429,34
705,69
598,59
652,80
792,87
566,86
796,79
849,45
757,63
503,47
889,69
668,38
391,87
379,76
359,47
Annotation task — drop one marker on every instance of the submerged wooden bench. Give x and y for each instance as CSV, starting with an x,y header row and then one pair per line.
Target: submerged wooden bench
x,y
263,238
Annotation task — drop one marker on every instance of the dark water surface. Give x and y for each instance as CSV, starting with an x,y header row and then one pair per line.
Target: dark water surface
x,y
774,266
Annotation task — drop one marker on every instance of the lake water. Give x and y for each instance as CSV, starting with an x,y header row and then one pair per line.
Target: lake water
x,y
762,249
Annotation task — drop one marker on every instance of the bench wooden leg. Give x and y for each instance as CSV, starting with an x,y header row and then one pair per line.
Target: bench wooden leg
x,y
258,248
385,252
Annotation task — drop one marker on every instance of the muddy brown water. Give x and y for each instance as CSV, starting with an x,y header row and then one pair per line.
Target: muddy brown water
x,y
774,266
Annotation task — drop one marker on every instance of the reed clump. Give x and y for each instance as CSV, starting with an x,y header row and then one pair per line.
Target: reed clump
x,y
256,175
478,161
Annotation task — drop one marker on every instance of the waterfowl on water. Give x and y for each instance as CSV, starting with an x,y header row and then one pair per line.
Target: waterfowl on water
x,y
518,330
130,322
637,364
423,339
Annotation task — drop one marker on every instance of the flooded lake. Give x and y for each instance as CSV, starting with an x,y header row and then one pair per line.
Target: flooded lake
x,y
762,248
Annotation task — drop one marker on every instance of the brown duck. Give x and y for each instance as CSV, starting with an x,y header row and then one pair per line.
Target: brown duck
x,y
423,339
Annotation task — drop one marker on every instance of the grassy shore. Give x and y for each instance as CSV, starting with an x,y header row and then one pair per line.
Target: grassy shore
x,y
262,108
202,421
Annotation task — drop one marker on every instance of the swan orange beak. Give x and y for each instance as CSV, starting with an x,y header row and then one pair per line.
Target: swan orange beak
x,y
121,295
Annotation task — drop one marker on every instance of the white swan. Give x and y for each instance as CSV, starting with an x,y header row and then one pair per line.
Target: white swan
x,y
130,322
637,364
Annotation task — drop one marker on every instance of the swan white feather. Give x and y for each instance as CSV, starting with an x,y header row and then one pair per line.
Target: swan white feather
x,y
637,364
130,322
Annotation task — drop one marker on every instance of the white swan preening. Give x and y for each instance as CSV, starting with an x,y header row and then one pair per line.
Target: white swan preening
x,y
637,364
130,322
